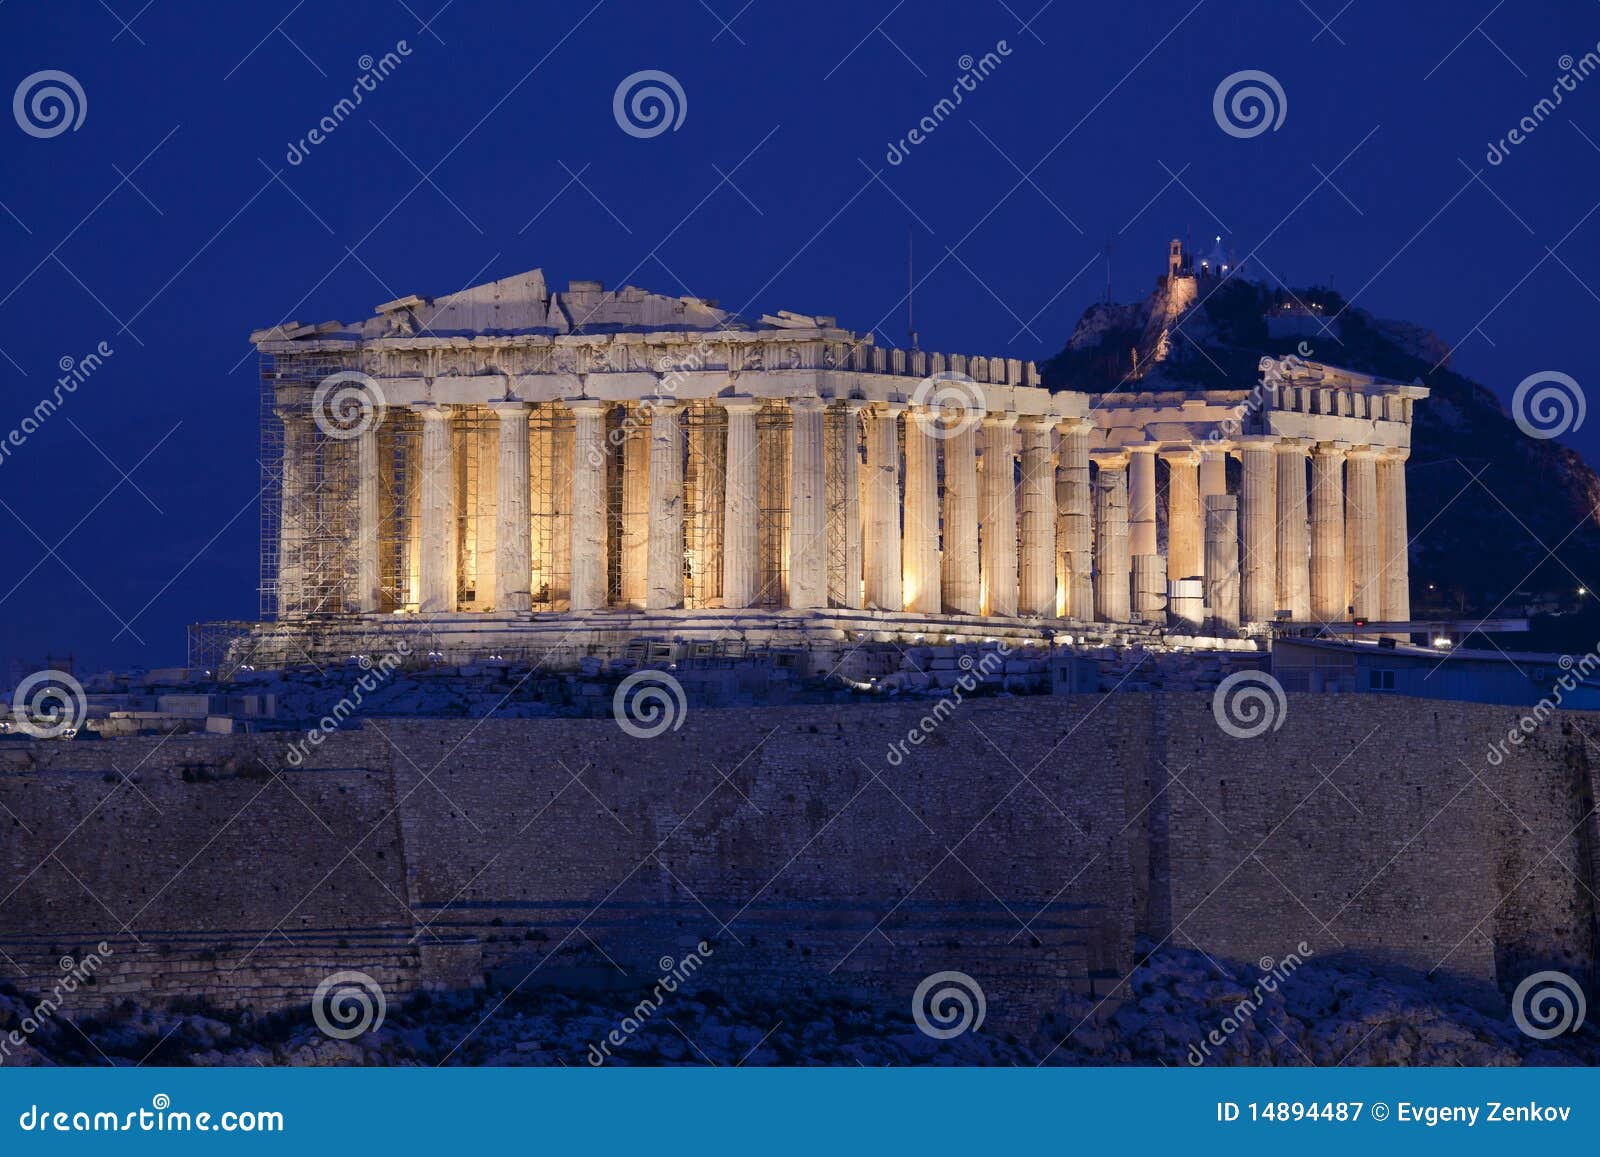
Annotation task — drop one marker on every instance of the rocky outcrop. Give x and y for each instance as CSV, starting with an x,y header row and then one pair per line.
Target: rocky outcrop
x,y
1470,465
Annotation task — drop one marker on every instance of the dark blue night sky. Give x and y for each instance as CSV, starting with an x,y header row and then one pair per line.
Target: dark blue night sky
x,y
170,223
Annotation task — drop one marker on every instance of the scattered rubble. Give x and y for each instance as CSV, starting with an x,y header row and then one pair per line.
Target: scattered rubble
x,y
1324,1014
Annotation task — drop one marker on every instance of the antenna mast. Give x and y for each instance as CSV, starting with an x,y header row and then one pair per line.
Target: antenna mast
x,y
911,286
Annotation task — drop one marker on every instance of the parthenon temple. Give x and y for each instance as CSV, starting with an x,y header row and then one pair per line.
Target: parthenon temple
x,y
513,468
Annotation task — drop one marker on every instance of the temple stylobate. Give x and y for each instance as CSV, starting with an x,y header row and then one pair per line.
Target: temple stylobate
x,y
515,469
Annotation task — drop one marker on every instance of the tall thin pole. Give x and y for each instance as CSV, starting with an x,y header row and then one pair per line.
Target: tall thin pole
x,y
911,285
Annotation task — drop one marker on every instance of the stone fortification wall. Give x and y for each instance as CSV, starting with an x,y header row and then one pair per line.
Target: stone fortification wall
x,y
1022,841
1378,827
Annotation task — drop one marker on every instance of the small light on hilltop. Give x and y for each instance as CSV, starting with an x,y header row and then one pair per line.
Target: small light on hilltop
x,y
1582,591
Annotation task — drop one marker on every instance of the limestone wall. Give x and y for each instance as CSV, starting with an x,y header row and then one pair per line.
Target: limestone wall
x,y
1021,841
800,842
806,845
1376,826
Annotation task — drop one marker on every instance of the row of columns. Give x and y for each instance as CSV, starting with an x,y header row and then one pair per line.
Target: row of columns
x,y
1340,552
1337,548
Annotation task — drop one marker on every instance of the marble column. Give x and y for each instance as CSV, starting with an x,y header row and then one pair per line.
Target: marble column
x,y
1258,540
1213,471
1111,559
997,516
739,526
1393,542
848,520
1074,523
484,486
707,449
1149,587
589,554
1038,578
1294,542
664,550
808,505
920,559
513,528
438,532
1222,560
369,518
542,506
413,521
963,589
1185,523
1361,532
1327,533
635,539
885,583
1142,501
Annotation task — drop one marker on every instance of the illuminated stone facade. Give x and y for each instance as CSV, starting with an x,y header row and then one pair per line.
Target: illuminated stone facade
x,y
512,466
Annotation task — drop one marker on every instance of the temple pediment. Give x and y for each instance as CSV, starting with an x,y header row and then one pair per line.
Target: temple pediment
x,y
525,304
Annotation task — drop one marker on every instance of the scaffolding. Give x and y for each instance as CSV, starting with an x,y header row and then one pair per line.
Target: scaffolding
x,y
616,450
308,491
218,648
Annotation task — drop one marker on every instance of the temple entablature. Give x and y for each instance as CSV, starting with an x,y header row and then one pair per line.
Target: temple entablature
x,y
1294,399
